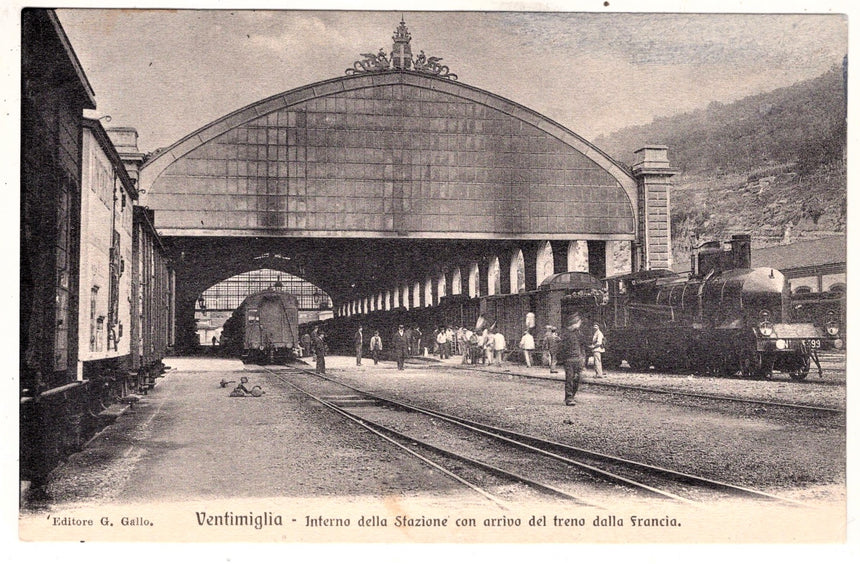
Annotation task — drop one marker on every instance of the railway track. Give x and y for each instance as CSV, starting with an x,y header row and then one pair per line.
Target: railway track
x,y
804,408
459,447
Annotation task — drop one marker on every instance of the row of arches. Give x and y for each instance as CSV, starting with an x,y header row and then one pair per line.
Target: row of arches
x,y
466,280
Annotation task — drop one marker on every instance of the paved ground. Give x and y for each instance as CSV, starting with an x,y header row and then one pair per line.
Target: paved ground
x,y
189,451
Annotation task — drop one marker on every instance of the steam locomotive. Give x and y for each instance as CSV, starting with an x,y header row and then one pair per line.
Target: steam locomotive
x,y
723,318
264,328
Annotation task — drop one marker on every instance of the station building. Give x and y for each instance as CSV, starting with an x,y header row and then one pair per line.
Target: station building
x,y
396,185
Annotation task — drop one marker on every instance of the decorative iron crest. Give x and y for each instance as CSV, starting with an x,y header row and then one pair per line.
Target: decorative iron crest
x,y
400,58
431,65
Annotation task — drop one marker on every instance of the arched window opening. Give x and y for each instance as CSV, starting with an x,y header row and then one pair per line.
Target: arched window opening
x,y
416,295
388,300
518,272
428,292
544,263
406,296
456,283
494,282
577,256
838,288
474,280
440,286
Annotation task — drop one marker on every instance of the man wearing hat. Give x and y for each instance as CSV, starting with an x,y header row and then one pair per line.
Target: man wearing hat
x,y
597,351
571,354
401,346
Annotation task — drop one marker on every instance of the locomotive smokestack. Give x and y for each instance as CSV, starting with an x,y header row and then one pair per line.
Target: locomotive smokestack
x,y
741,251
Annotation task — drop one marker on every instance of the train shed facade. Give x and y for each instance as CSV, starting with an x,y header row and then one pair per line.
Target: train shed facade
x,y
403,182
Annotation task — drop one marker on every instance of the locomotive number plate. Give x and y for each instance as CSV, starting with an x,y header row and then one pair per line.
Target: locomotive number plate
x,y
812,343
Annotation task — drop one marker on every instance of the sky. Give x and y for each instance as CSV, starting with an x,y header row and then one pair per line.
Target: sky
x,y
169,73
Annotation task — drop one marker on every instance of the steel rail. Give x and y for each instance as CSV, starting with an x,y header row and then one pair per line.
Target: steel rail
x,y
509,437
697,395
370,427
489,468
529,441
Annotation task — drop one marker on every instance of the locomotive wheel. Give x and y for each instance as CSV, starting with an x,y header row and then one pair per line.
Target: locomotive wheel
x,y
802,372
725,368
753,366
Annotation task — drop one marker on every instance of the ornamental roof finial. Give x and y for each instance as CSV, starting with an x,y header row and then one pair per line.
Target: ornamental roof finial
x,y
401,58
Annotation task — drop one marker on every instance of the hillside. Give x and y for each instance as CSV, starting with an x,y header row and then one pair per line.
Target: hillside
x,y
772,165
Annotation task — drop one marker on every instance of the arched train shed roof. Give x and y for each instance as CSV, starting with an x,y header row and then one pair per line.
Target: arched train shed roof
x,y
388,154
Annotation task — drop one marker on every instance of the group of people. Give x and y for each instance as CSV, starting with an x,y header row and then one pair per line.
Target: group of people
x,y
403,344
486,346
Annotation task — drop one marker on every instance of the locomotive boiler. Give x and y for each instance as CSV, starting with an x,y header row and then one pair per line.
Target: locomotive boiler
x,y
264,328
723,318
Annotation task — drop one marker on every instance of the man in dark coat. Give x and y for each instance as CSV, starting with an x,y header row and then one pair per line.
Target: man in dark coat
x,y
408,332
401,347
306,345
359,345
571,353
318,339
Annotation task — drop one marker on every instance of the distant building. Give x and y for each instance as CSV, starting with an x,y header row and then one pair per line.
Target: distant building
x,y
816,274
815,266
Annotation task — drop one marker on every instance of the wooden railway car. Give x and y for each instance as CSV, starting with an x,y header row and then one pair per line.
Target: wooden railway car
x,y
264,328
107,195
80,289
152,298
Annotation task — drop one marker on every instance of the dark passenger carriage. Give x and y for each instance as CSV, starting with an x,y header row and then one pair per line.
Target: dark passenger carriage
x,y
264,328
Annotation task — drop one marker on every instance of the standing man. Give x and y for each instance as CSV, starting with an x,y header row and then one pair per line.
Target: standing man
x,y
375,346
527,344
572,354
499,346
306,345
319,350
488,344
544,345
440,342
416,341
411,349
401,347
359,345
597,351
554,340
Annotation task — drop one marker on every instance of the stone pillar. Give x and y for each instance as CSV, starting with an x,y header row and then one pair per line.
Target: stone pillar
x,y
618,258
483,277
653,174
597,258
577,256
559,256
530,251
505,273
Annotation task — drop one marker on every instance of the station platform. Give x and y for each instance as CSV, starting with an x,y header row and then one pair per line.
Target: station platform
x,y
188,449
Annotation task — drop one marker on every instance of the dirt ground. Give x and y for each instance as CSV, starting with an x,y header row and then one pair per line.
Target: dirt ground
x,y
188,445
